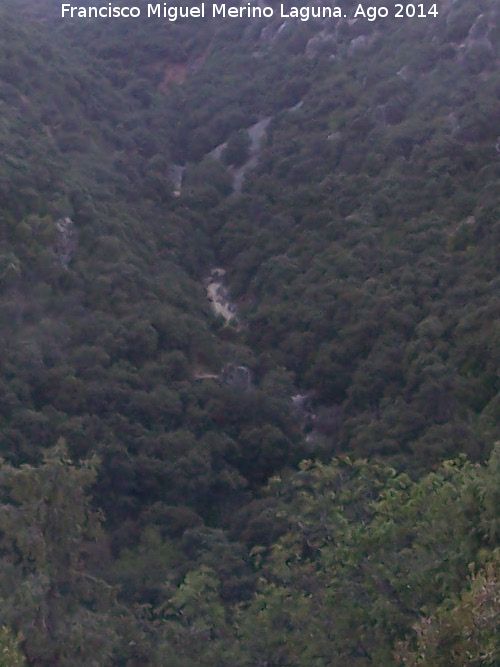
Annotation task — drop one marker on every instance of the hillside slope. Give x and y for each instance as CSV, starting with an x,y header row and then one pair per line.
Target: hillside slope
x,y
169,495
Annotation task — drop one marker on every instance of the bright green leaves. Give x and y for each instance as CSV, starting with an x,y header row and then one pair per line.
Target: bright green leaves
x,y
464,630
489,496
365,554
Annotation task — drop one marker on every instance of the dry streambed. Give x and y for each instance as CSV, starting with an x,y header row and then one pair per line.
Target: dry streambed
x,y
218,295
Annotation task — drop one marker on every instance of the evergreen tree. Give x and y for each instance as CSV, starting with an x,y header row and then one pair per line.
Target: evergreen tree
x,y
49,536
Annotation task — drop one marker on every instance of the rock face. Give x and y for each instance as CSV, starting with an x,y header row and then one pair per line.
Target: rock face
x,y
323,42
256,133
232,375
66,241
176,175
218,295
236,376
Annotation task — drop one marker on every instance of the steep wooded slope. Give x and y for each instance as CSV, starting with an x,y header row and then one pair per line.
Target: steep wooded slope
x,y
361,255
364,244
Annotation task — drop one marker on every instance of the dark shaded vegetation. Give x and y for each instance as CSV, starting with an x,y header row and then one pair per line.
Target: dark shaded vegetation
x,y
155,512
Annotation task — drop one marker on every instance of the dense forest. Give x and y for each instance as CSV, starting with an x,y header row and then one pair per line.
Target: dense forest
x,y
250,361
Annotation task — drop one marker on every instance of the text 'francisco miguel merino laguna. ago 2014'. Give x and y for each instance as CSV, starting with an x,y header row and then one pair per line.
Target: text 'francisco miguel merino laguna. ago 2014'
x,y
174,12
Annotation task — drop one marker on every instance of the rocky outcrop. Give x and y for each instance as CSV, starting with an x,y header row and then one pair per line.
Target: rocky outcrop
x,y
176,176
232,375
256,134
236,376
218,295
66,241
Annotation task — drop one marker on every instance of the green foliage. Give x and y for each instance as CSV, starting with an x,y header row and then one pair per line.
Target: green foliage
x,y
368,551
11,654
49,532
465,630
361,258
237,149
